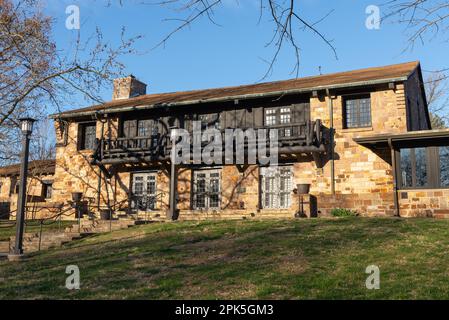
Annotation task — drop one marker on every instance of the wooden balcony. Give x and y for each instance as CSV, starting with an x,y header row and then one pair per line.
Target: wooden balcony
x,y
308,137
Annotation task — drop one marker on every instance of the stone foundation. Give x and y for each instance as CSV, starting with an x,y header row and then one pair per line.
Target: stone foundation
x,y
424,203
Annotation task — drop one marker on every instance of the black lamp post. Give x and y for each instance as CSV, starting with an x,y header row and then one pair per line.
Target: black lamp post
x,y
26,125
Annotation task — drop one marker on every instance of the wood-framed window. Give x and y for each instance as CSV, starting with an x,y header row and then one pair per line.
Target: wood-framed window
x,y
139,128
423,167
144,191
87,133
278,116
209,121
443,155
206,189
276,187
47,189
281,117
357,111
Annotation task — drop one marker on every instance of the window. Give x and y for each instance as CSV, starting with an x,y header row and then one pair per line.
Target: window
x,y
144,191
406,168
444,166
280,117
424,167
206,190
357,112
139,128
12,186
276,187
285,115
47,190
144,128
270,117
87,136
276,116
421,167
209,121
414,167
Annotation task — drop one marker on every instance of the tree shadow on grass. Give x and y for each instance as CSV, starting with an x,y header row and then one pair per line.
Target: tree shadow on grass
x,y
214,260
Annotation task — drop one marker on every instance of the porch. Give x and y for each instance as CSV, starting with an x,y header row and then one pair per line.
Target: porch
x,y
309,137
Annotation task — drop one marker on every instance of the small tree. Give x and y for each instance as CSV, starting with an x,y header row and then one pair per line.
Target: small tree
x,y
437,99
36,77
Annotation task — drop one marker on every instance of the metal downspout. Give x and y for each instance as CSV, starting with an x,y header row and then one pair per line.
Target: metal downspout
x,y
331,125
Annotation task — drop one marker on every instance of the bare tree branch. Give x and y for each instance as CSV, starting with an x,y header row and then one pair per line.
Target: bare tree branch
x,y
37,78
284,14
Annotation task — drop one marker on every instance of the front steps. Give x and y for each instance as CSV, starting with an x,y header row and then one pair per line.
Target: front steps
x,y
99,226
143,217
4,249
32,242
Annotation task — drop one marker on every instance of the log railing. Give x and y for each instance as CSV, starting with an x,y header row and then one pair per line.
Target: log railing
x,y
158,146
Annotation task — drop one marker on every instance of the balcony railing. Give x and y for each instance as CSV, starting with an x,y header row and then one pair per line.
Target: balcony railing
x,y
310,134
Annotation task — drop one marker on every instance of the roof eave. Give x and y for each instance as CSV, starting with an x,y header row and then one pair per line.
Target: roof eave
x,y
73,114
403,137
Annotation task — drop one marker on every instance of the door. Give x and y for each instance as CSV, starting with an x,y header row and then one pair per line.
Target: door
x,y
276,187
144,191
206,190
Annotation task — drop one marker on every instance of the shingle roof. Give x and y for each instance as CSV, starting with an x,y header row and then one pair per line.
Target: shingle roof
x,y
398,72
37,167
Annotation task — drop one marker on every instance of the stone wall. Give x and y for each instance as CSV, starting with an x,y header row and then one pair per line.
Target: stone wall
x,y
363,179
37,206
424,203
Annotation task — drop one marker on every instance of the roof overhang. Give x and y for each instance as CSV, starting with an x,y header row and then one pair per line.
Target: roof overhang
x,y
423,138
118,109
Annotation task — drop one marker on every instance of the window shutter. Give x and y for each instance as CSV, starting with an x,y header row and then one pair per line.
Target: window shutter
x,y
240,118
130,128
258,117
223,116
249,118
230,119
300,112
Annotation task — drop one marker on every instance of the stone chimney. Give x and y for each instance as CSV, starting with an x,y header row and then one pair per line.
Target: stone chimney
x,y
128,87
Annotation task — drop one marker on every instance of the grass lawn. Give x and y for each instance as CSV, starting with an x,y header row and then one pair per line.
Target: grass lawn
x,y
291,259
31,226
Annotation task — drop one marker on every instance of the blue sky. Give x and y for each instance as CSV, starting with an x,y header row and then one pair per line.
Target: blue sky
x,y
206,55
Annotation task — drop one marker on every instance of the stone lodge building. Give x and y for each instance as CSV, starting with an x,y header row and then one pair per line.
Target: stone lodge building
x,y
361,139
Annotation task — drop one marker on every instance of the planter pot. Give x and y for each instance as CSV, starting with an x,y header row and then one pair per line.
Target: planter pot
x,y
303,188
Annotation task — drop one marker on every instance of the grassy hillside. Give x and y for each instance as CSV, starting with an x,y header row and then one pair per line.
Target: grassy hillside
x,y
294,259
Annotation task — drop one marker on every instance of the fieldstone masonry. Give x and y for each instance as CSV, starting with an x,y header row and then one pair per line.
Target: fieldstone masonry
x,y
363,178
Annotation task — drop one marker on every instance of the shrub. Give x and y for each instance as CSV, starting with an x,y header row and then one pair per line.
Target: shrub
x,y
339,212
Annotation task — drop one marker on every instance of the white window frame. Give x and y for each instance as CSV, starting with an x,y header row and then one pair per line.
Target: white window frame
x,y
207,193
147,178
274,190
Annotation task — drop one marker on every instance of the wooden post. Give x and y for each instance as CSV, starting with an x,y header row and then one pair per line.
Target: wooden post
x,y
395,178
173,181
173,190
